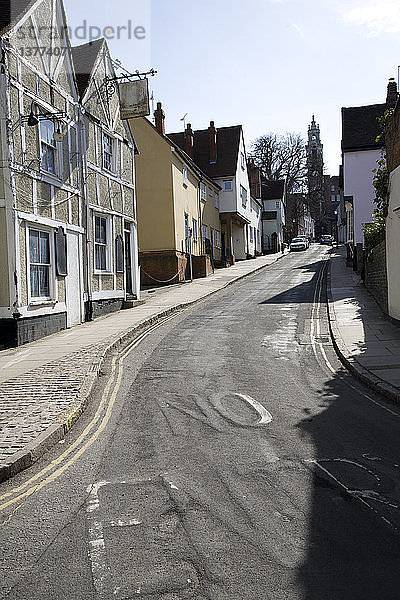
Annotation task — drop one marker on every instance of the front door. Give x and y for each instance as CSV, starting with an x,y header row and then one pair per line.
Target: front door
x,y
73,282
128,259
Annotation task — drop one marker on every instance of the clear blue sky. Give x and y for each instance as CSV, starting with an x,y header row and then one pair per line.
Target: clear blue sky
x,y
268,64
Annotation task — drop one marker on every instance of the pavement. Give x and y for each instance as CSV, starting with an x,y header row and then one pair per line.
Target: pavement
x,y
366,341
45,385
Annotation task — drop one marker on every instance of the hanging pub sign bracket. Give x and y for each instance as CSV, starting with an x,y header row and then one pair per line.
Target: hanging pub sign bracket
x,y
133,91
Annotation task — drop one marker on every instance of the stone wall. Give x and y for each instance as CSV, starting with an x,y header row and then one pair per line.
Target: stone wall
x,y
376,276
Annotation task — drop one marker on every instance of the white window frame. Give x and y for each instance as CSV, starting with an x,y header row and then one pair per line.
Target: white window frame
x,y
185,176
107,245
203,192
228,186
52,297
217,239
243,195
112,167
48,145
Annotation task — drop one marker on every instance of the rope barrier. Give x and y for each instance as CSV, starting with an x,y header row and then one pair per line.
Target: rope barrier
x,y
161,280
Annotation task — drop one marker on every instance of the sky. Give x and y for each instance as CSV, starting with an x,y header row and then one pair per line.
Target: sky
x,y
267,64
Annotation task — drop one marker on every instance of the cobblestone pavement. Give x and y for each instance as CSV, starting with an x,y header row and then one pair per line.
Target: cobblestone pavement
x,y
45,384
48,395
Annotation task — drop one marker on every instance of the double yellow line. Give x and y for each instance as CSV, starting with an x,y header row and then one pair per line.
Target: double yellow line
x,y
85,440
316,327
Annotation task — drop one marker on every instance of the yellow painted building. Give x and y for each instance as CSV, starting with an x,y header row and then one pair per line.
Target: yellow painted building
x,y
177,209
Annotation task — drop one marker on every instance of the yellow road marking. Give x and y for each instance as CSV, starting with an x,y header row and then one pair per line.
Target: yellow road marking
x,y
84,434
316,311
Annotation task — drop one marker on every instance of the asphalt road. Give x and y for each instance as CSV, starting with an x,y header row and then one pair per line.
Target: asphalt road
x,y
228,455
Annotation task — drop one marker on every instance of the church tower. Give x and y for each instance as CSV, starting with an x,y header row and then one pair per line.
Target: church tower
x,y
315,175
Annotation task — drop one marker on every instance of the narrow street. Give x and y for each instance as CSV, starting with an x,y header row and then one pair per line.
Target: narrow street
x,y
227,454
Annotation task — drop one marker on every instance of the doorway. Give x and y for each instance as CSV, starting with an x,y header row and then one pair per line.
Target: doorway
x,y
128,259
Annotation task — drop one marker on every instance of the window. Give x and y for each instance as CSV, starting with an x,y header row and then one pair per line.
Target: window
x,y
216,196
277,204
338,198
228,185
332,188
39,263
108,152
101,237
185,176
217,239
203,192
243,195
205,232
210,192
251,234
212,236
48,148
242,161
195,230
333,198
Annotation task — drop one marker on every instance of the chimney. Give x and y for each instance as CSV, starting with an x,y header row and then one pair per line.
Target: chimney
x,y
159,115
212,142
254,178
189,137
392,95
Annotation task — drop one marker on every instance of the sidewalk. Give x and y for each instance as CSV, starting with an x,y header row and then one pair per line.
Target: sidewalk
x,y
45,385
365,340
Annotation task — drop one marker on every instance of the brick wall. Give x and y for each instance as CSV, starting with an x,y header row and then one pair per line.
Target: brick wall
x,y
162,267
375,274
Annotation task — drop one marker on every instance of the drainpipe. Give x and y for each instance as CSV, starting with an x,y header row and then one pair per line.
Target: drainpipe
x,y
85,192
11,189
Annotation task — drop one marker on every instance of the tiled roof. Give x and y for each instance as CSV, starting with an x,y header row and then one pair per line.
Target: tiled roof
x,y
11,11
272,190
360,126
228,140
84,58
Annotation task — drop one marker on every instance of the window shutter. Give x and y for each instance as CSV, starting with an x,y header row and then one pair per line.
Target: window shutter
x,y
61,252
119,254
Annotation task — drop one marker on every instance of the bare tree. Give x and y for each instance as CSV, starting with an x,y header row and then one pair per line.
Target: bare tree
x,y
281,157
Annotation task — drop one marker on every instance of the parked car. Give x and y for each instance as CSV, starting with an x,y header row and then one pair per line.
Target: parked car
x,y
305,238
298,243
327,240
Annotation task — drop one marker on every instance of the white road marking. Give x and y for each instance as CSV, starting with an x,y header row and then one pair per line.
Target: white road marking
x,y
265,416
361,495
101,570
